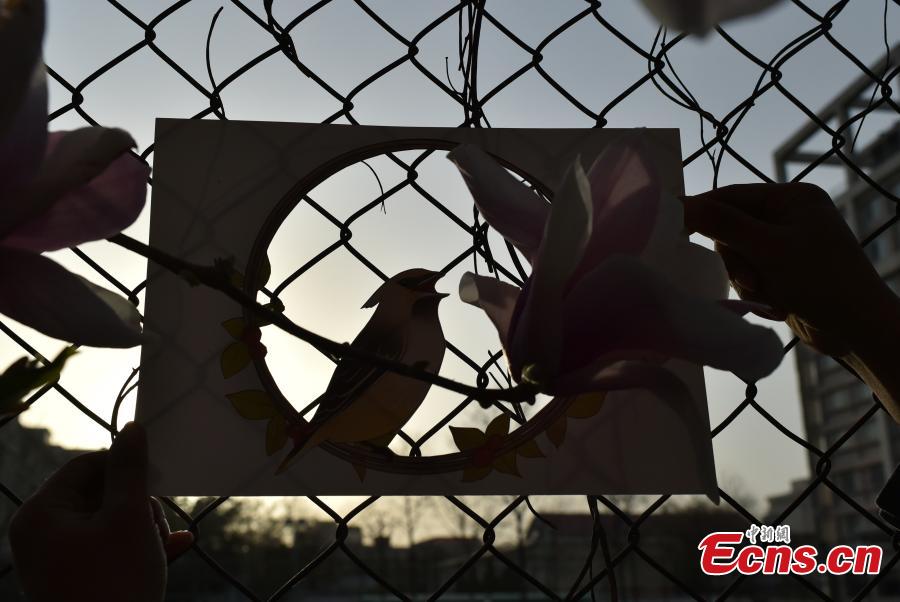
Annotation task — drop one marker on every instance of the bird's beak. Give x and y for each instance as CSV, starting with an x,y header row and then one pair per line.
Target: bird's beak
x,y
432,278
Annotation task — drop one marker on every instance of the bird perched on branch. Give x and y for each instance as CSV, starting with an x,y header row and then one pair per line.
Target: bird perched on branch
x,y
369,405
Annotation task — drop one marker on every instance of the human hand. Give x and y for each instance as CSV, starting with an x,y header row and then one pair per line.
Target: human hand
x,y
787,246
92,533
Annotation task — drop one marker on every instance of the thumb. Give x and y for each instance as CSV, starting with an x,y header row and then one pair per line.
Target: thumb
x,y
725,224
126,470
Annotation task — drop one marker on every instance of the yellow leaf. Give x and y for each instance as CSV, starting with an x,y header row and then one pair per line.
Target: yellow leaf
x,y
507,464
557,431
235,327
253,405
498,426
473,473
276,434
586,405
530,449
466,438
235,358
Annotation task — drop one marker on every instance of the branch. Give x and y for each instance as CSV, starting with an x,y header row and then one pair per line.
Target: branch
x,y
215,278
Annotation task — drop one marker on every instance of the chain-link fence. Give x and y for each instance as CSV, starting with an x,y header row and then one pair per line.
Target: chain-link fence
x,y
619,535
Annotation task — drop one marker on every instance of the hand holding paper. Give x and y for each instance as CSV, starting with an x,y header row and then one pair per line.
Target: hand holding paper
x,y
788,246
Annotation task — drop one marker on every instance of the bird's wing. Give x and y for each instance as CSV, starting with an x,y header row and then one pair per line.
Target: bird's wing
x,y
351,376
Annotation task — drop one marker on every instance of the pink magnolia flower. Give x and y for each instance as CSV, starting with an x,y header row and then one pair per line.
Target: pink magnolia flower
x,y
615,288
57,190
700,16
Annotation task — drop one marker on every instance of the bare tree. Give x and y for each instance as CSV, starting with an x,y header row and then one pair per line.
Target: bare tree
x,y
406,515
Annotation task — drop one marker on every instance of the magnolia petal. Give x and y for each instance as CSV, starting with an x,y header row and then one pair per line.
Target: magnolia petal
x,y
625,190
668,230
535,338
727,10
88,189
700,16
43,295
123,308
694,269
508,205
496,298
23,143
607,375
21,37
623,306
664,385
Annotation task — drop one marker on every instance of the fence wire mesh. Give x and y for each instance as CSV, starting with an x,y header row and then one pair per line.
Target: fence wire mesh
x,y
616,534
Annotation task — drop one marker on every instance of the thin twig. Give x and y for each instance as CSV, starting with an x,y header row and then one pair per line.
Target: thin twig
x,y
127,387
220,111
217,279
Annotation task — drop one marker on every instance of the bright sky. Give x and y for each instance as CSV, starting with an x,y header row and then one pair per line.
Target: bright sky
x,y
344,45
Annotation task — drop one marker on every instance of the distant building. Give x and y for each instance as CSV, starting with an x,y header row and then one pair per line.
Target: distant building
x,y
26,460
832,399
802,519
558,551
437,559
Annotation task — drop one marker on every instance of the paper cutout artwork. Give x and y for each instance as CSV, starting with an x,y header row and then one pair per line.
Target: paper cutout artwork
x,y
610,325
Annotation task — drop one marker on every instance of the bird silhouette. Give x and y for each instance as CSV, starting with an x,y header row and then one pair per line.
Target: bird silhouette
x,y
368,405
